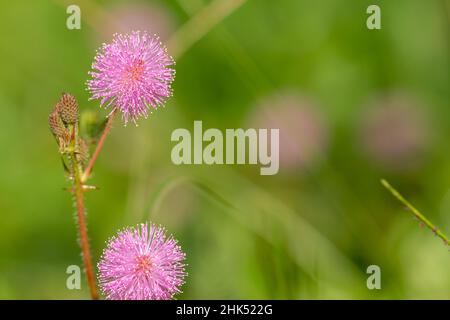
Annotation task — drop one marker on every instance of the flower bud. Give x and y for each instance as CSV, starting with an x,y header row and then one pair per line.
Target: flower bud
x,y
69,108
57,126
83,150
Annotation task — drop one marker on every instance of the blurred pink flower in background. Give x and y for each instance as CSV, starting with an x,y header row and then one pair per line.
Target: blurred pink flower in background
x,y
129,16
394,132
141,264
303,134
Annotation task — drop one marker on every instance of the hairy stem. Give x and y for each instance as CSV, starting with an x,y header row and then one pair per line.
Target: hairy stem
x,y
416,212
82,228
98,148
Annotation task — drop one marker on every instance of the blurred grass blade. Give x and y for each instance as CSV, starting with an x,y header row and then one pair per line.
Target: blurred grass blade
x,y
199,25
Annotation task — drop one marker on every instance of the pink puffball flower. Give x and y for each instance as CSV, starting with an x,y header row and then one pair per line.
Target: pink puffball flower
x,y
141,264
132,73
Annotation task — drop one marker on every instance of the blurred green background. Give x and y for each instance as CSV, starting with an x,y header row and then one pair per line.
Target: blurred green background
x,y
353,106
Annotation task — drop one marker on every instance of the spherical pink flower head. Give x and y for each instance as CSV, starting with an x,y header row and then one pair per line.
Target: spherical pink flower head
x,y
133,73
141,264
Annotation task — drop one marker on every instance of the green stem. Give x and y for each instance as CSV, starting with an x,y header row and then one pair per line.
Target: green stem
x,y
81,217
416,212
